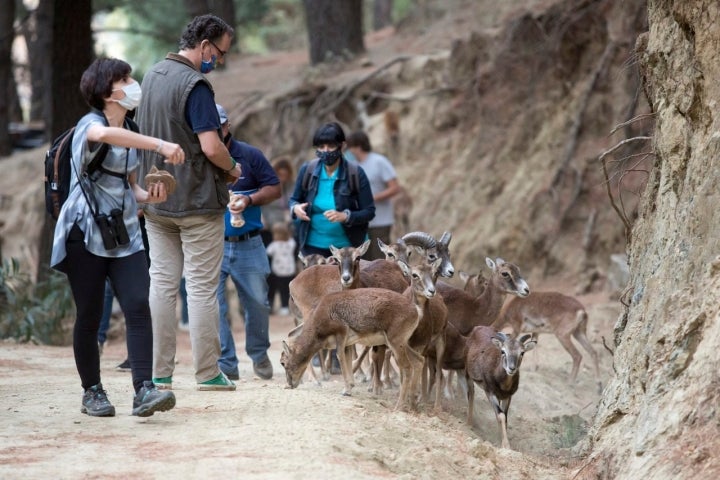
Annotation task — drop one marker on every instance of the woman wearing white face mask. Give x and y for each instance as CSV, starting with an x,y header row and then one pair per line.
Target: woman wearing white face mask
x,y
98,236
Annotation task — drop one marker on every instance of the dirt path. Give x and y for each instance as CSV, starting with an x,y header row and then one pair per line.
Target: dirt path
x,y
264,430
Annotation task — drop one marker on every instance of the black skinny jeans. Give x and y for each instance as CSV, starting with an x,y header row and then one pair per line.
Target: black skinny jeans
x,y
86,273
279,285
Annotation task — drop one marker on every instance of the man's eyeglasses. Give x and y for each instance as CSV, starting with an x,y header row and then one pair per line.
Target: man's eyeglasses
x,y
222,52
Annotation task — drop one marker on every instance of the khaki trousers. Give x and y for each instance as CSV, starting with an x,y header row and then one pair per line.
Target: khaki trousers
x,y
192,246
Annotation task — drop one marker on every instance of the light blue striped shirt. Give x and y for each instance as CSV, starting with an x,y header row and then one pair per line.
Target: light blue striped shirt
x,y
109,192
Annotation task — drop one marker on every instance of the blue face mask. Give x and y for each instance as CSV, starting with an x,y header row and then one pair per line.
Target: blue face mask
x,y
209,66
330,157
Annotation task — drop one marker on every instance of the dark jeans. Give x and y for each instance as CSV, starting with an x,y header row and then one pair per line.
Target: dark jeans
x,y
279,285
129,276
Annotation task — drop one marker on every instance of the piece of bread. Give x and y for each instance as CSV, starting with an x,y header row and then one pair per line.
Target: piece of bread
x,y
162,176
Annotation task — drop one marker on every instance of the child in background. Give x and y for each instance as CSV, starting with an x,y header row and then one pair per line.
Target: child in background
x,y
282,266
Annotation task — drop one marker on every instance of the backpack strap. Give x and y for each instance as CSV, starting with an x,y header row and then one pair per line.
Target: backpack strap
x,y
312,164
96,164
354,177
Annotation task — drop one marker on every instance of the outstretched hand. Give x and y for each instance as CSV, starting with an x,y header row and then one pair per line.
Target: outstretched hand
x,y
299,210
172,152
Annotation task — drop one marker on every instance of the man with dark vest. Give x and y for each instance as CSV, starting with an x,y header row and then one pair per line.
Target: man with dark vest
x,y
186,232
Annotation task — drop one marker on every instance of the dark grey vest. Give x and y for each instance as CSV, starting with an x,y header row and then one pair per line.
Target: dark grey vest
x,y
201,187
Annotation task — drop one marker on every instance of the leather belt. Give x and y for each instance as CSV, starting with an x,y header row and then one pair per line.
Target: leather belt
x,y
243,237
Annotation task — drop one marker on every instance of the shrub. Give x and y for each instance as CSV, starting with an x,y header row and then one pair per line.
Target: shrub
x,y
33,312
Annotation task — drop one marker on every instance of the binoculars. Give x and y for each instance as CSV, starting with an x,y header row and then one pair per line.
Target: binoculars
x,y
112,228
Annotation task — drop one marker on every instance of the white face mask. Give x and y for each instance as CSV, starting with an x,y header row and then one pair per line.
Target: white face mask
x,y
133,94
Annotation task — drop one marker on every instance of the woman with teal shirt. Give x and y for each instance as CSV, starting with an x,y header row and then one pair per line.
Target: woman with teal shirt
x,y
330,209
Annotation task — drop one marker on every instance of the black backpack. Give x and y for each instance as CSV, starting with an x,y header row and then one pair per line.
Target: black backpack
x,y
58,167
352,172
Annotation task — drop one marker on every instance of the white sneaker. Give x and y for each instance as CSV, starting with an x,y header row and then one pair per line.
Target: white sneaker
x,y
284,311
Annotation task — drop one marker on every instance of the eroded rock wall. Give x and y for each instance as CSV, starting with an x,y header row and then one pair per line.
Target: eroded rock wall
x,y
659,415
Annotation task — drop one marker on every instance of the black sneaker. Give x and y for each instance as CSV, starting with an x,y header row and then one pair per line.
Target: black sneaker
x,y
263,369
150,400
233,374
95,402
124,366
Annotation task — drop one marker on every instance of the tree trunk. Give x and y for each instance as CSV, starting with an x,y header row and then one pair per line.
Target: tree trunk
x,y
334,29
70,54
224,9
382,13
196,7
38,37
7,16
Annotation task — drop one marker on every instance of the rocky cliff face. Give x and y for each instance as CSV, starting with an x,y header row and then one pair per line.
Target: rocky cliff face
x,y
659,415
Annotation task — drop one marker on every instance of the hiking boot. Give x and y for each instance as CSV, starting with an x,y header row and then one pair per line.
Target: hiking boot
x,y
124,366
221,382
149,400
95,402
233,374
263,369
163,383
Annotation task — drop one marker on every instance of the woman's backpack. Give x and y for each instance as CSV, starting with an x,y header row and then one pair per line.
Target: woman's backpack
x,y
58,167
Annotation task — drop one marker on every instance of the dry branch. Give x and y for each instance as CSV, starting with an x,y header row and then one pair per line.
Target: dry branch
x,y
631,121
321,110
620,144
416,95
620,210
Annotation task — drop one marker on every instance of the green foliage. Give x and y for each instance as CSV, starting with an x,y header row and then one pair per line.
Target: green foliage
x,y
282,27
568,430
33,312
147,31
248,12
142,33
401,8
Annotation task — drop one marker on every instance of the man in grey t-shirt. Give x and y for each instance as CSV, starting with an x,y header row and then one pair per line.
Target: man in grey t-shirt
x,y
384,185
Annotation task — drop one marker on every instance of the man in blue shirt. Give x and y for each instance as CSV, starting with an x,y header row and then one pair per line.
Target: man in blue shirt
x,y
245,260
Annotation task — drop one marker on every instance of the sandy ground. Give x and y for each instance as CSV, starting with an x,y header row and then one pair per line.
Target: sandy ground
x,y
264,430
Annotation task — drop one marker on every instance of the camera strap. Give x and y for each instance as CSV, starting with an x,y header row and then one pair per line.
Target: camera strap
x,y
82,179
93,176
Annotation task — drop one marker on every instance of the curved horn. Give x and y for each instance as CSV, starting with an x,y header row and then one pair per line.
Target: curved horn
x,y
420,239
445,239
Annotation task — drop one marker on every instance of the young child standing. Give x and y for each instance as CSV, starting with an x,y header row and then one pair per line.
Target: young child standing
x,y
282,266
